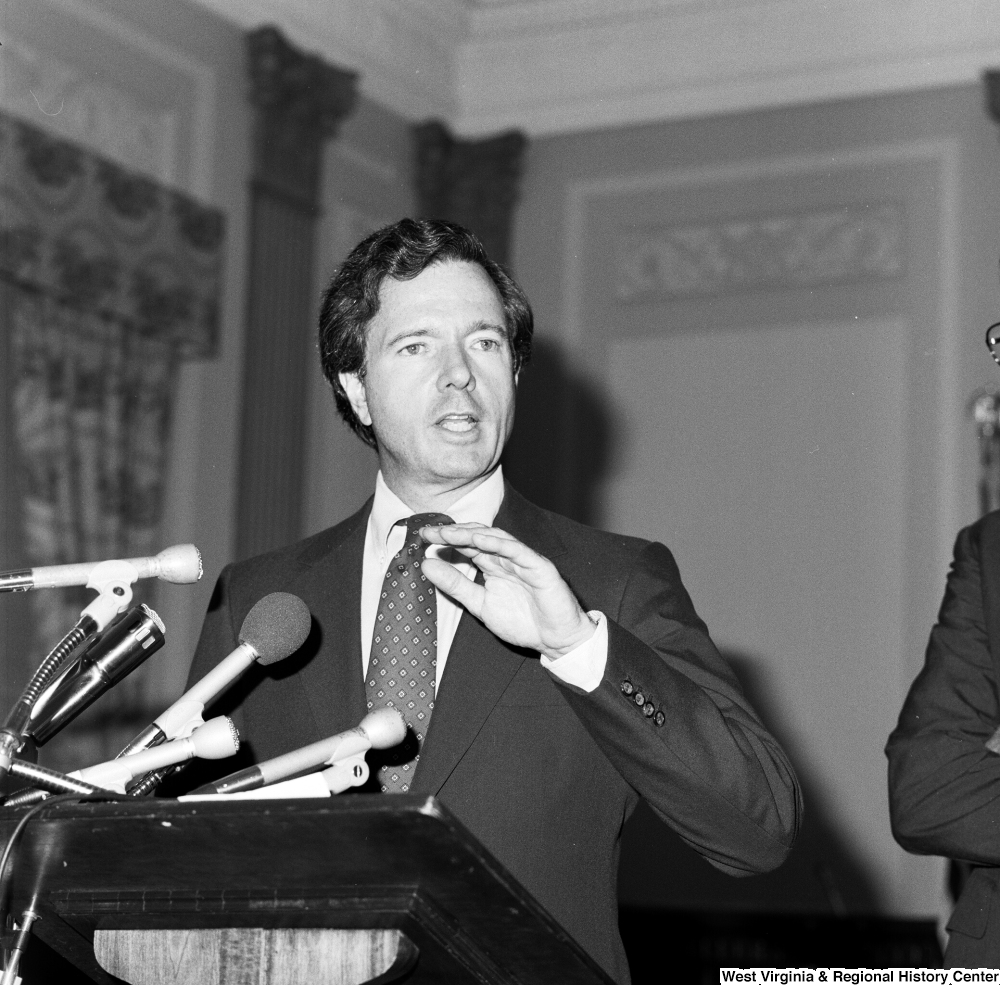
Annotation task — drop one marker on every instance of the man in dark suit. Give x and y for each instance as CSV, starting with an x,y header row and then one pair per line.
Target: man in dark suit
x,y
944,755
570,672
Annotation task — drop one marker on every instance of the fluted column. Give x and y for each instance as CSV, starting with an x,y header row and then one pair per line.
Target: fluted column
x,y
472,182
299,102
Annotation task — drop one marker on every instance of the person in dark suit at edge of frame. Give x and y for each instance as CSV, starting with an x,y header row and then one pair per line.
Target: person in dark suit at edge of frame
x,y
944,754
571,674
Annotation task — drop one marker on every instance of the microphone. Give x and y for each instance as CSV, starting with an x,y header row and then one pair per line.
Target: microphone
x,y
125,644
180,564
16,725
218,738
379,729
273,629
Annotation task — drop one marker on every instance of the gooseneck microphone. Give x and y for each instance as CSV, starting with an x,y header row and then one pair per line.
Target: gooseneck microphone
x,y
127,642
379,729
273,629
135,635
180,564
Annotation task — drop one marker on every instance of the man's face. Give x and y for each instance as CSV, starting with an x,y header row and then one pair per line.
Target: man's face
x,y
439,384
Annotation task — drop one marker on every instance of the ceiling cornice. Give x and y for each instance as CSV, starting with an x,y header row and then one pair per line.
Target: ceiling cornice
x,y
558,66
403,52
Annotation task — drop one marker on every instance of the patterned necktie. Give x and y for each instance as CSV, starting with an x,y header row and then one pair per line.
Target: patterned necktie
x,y
403,664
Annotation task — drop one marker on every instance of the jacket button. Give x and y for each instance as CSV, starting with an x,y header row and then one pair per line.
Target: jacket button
x,y
627,687
648,710
659,718
639,698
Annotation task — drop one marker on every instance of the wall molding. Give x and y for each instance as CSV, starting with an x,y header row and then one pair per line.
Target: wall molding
x,y
721,57
59,96
582,193
116,109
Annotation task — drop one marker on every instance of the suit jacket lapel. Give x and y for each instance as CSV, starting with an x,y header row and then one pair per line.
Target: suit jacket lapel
x,y
331,587
480,666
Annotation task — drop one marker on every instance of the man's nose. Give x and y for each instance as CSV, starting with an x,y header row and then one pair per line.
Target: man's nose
x,y
456,370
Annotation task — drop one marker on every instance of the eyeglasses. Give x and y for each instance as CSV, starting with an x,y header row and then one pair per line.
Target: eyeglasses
x,y
993,341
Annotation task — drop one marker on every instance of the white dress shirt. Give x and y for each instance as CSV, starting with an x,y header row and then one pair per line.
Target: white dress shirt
x,y
583,667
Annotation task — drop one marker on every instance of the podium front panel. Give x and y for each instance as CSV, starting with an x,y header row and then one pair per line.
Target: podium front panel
x,y
357,861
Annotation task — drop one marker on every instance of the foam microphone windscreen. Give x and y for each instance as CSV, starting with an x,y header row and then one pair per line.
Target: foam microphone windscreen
x,y
276,626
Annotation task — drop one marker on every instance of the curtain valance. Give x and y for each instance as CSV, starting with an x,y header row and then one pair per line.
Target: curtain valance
x,y
92,235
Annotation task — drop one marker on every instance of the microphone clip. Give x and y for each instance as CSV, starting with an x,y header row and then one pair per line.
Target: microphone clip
x,y
112,580
352,771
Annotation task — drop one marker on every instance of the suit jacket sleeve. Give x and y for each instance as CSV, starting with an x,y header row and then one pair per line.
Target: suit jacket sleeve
x,y
943,781
711,770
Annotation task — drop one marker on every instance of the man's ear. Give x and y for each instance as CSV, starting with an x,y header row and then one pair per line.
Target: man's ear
x,y
355,390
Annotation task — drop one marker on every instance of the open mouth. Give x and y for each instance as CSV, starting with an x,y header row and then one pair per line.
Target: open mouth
x,y
458,423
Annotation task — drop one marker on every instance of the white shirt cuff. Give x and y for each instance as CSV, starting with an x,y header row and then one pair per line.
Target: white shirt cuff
x,y
583,667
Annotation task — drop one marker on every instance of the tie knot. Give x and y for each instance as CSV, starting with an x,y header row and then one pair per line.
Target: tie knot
x,y
418,520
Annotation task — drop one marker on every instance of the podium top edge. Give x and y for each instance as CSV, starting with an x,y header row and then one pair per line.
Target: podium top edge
x,y
377,803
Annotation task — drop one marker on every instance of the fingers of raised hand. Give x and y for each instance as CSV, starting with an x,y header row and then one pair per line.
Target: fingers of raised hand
x,y
435,534
462,533
452,582
472,539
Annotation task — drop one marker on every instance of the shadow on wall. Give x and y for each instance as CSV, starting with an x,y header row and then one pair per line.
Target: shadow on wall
x,y
821,875
562,442
561,450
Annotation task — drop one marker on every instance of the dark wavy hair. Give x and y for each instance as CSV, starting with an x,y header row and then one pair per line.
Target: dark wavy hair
x,y
402,251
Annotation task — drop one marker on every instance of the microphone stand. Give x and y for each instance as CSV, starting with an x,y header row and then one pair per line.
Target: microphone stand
x,y
112,580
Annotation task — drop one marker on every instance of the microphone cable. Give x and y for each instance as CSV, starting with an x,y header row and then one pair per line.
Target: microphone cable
x,y
22,823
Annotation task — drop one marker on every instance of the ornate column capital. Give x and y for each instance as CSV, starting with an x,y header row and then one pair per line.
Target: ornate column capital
x,y
300,101
472,182
991,82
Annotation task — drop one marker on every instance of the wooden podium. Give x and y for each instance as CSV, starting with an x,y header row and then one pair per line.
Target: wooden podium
x,y
336,891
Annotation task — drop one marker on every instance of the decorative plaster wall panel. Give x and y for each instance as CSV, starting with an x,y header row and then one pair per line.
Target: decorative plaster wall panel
x,y
804,250
38,86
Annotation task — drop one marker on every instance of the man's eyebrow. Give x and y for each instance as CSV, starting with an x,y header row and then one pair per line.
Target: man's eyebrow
x,y
407,333
418,333
489,326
